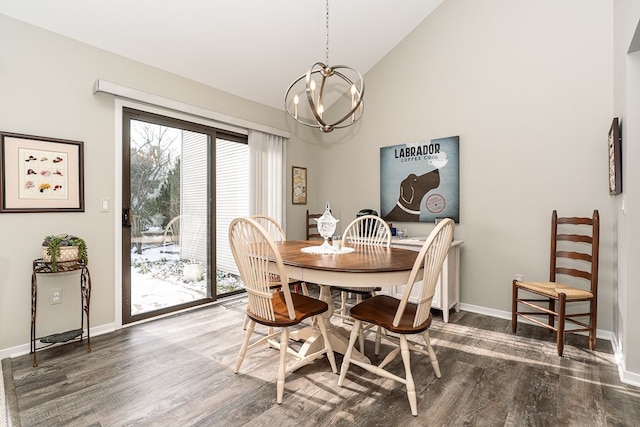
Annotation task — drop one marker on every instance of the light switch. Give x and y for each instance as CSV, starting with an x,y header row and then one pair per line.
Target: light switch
x,y
104,204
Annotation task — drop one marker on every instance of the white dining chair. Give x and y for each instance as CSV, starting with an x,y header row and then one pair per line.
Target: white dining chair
x,y
403,317
364,230
255,253
271,225
276,232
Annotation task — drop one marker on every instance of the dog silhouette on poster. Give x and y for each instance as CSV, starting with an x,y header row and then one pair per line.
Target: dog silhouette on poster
x,y
412,190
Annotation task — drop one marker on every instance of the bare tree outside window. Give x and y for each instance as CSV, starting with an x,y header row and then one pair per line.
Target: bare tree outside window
x,y
155,172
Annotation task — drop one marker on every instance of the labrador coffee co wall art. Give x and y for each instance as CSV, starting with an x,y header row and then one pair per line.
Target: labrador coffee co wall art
x,y
420,181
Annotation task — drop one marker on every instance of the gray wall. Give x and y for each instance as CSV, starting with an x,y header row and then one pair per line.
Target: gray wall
x,y
528,87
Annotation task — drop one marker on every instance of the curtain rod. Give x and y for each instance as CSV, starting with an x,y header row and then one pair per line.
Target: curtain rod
x,y
103,86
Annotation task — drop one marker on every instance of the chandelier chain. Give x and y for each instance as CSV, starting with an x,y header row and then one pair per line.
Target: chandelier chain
x,y
327,34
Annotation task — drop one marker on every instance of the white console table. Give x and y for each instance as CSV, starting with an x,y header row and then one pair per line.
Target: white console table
x,y
447,293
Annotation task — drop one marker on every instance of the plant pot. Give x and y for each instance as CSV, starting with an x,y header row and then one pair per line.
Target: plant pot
x,y
67,253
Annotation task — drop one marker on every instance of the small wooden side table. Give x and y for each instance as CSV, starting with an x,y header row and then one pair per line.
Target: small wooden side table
x,y
42,267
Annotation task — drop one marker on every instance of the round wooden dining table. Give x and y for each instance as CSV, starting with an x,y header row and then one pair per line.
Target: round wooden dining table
x,y
364,266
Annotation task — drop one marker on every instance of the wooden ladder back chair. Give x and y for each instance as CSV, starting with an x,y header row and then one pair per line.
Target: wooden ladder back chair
x,y
365,230
312,226
257,258
573,278
404,317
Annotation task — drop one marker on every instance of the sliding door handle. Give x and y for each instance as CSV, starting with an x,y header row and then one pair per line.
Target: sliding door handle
x,y
126,218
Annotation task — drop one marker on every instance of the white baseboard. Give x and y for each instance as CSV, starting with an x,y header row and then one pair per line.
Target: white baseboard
x,y
486,311
23,349
626,377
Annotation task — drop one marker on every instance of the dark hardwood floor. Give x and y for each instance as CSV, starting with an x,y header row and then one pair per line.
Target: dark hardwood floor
x,y
178,371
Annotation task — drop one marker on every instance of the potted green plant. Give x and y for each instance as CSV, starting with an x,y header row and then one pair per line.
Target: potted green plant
x,y
62,248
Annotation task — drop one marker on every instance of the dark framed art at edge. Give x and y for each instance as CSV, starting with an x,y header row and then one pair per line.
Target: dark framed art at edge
x,y
615,158
40,174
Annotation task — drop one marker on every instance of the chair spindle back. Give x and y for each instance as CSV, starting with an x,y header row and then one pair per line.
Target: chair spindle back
x,y
273,227
429,263
255,254
368,230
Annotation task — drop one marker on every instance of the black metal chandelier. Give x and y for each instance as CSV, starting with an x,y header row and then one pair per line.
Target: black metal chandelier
x,y
343,94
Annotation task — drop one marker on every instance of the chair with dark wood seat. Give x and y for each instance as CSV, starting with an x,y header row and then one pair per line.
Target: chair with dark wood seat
x,y
573,278
404,317
257,258
312,226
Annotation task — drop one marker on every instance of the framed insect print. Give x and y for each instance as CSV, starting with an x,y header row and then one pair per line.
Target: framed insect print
x,y
40,174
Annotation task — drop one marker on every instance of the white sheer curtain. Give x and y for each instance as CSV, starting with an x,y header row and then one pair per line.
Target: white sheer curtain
x,y
267,175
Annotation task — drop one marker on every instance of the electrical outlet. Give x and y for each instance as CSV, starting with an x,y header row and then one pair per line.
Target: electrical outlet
x,y
56,296
518,276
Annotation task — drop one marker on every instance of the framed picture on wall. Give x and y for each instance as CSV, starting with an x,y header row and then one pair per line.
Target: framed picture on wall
x,y
299,185
615,158
40,174
420,181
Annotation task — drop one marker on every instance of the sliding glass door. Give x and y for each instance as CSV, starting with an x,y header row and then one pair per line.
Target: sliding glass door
x,y
166,215
183,183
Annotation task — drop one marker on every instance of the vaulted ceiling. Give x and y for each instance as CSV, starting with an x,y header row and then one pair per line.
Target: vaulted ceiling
x,y
250,48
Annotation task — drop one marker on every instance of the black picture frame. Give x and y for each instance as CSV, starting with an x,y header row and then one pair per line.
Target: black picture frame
x,y
40,174
614,144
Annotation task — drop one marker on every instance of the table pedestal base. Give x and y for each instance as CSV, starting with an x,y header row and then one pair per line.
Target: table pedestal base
x,y
338,336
